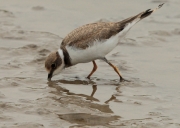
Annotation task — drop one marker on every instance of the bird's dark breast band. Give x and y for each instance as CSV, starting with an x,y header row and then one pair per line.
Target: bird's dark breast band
x,y
67,59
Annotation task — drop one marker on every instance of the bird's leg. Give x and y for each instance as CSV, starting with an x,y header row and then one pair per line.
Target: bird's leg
x,y
115,69
93,70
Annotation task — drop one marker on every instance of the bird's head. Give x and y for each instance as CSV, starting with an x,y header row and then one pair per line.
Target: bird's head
x,y
54,63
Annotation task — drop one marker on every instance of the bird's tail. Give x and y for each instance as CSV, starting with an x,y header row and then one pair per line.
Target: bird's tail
x,y
125,25
149,12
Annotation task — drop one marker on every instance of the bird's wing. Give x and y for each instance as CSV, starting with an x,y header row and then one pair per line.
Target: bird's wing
x,y
82,37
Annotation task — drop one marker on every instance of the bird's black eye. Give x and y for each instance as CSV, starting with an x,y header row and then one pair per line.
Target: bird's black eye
x,y
53,65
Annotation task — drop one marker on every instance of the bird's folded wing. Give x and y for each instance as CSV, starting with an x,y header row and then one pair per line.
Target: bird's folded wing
x,y
84,36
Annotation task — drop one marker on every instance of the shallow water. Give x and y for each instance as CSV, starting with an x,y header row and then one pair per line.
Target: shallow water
x,y
148,57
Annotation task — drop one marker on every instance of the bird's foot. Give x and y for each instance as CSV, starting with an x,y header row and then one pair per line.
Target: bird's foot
x,y
124,80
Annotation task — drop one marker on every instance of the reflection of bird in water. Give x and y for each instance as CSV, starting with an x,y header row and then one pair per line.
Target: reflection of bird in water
x,y
94,87
90,42
59,88
112,98
100,107
54,84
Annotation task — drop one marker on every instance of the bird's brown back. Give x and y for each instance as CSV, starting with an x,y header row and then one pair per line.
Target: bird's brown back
x,y
83,36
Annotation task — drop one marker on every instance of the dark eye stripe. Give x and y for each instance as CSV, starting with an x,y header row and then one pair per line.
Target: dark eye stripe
x,y
53,65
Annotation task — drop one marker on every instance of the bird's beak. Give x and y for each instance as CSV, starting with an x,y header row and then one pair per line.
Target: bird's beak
x,y
49,76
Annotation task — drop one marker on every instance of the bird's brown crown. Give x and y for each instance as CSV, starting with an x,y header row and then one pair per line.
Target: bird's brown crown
x,y
53,61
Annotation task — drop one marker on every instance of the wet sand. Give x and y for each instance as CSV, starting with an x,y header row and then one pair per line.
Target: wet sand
x,y
149,57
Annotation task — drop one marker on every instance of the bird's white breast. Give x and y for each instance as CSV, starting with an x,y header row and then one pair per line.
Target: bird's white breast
x,y
96,50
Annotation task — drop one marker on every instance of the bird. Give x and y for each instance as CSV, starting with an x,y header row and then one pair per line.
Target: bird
x,y
91,42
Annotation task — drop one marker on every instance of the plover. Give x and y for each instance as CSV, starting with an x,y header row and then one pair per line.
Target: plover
x,y
91,42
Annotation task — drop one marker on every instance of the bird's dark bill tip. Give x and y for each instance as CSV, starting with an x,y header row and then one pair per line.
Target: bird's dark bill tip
x,y
49,77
